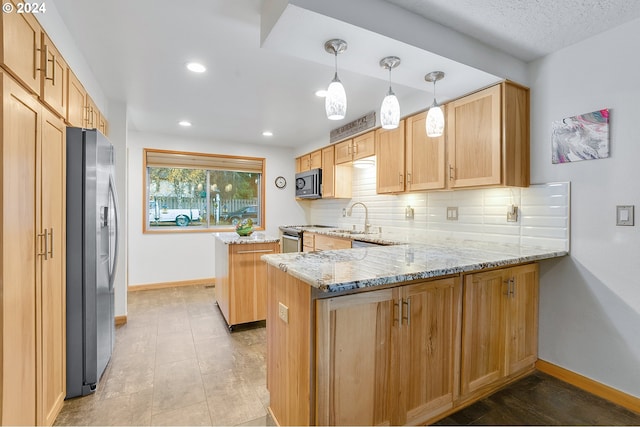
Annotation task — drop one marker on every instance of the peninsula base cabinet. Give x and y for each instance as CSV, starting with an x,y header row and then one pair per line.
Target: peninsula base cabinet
x,y
500,330
241,281
406,355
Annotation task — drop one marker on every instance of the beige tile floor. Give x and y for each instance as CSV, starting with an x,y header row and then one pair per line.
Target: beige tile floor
x,y
175,363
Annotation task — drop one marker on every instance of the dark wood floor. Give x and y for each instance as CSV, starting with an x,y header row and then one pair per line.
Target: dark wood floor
x,y
540,399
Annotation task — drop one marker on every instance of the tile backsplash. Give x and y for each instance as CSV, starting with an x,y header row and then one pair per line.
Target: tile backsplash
x,y
543,212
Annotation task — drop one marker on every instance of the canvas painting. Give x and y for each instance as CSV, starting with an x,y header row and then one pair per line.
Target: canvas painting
x,y
583,137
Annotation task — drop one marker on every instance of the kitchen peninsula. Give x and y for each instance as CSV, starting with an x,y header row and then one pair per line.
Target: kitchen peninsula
x,y
402,334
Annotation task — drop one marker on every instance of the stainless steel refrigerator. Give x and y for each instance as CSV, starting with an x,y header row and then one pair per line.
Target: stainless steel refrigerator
x,y
92,251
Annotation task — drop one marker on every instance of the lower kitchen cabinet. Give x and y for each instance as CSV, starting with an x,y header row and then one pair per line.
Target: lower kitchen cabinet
x,y
406,375
241,281
321,242
500,325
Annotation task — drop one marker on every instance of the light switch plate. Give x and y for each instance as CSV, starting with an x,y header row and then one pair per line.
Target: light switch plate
x,y
452,213
624,214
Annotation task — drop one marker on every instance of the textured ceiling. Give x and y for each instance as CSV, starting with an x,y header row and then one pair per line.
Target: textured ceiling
x,y
526,29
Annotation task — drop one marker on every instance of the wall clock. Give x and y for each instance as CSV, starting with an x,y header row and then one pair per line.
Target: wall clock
x,y
281,182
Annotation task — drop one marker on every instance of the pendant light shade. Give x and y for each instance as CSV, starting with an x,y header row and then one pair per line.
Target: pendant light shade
x,y
435,116
390,108
335,103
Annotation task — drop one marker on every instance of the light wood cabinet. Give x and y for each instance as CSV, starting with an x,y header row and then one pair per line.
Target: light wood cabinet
x,y
499,325
241,281
390,163
54,78
21,47
356,148
76,100
309,161
488,138
425,156
321,242
406,375
33,258
336,179
92,113
103,125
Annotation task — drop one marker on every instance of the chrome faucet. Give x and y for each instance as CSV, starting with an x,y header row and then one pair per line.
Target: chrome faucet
x,y
367,226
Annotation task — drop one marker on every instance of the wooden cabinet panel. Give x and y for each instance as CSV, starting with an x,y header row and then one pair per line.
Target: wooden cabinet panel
x,y
500,329
483,330
54,78
425,162
92,113
354,386
76,101
315,159
431,349
308,242
344,151
241,281
364,145
390,167
488,137
21,47
328,172
103,125
328,243
53,296
20,210
522,316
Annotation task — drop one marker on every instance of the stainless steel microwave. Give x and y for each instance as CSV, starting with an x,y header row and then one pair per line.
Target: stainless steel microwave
x,y
309,184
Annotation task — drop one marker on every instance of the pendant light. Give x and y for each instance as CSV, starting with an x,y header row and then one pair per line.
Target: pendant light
x,y
390,108
435,117
335,103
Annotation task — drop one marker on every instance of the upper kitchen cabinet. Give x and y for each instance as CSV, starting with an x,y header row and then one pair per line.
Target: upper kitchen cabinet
x,y
103,125
76,99
309,161
92,114
425,156
488,138
21,47
356,148
53,90
390,166
336,179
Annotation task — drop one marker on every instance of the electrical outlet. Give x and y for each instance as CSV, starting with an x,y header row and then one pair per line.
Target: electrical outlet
x,y
283,312
408,212
512,214
452,213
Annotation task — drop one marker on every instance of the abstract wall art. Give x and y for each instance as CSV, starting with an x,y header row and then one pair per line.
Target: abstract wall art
x,y
583,137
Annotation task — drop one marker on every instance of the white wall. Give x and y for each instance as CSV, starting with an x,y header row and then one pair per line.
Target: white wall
x,y
590,301
159,258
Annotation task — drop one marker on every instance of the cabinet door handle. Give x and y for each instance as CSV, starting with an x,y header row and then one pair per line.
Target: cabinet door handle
x,y
51,245
53,73
450,173
513,287
355,148
408,177
40,237
407,302
397,308
46,61
510,287
401,180
256,251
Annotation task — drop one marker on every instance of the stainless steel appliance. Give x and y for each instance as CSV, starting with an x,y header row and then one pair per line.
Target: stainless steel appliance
x,y
291,236
309,184
92,251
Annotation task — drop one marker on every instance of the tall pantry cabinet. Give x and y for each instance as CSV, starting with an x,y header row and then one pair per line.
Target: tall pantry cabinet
x,y
32,321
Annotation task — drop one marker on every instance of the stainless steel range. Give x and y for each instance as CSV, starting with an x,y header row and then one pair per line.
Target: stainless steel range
x,y
291,236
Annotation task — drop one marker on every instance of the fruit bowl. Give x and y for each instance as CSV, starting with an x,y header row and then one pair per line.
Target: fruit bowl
x,y
245,227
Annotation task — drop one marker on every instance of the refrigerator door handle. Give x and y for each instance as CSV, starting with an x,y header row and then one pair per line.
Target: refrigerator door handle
x,y
114,197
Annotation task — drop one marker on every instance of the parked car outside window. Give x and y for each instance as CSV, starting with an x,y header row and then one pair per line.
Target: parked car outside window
x,y
235,217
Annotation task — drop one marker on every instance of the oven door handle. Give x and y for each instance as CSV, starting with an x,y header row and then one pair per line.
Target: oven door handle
x,y
286,236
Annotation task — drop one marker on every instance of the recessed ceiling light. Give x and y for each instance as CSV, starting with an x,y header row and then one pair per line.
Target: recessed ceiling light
x,y
184,123
267,133
196,67
322,93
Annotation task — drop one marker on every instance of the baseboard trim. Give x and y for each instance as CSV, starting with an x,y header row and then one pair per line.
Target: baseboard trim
x,y
120,320
623,399
194,282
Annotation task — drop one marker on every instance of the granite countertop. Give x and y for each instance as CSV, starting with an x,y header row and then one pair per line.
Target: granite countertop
x,y
353,269
232,238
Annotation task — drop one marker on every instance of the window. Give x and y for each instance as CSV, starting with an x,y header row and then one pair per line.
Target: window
x,y
193,191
